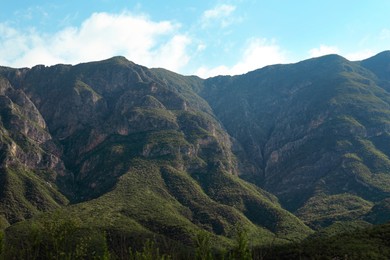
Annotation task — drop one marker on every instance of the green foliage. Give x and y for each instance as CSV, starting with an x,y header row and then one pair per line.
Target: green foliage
x,y
242,249
340,227
322,209
56,238
84,89
149,157
357,243
3,222
25,193
150,251
321,128
380,213
203,246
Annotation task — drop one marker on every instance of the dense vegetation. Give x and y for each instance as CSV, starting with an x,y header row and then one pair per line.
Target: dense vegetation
x,y
111,160
315,133
65,239
369,243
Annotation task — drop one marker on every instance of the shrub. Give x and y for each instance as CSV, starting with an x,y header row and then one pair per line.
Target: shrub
x,y
149,252
56,238
242,249
203,248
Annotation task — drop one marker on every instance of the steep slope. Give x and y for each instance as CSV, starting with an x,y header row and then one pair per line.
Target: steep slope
x,y
315,133
144,152
146,155
379,65
29,160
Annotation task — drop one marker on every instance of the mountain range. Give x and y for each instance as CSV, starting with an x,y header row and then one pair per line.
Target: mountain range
x,y
281,152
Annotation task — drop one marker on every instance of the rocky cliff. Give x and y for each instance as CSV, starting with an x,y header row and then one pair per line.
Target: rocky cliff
x,y
125,144
154,153
314,133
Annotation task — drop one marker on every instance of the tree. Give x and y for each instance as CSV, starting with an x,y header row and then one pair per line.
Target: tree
x,y
242,250
203,248
57,237
149,252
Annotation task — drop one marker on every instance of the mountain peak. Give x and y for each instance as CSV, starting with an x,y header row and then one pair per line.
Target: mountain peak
x,y
120,59
381,55
379,65
113,61
330,58
311,137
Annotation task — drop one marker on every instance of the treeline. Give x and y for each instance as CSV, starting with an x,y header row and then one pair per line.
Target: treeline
x,y
65,238
59,238
368,243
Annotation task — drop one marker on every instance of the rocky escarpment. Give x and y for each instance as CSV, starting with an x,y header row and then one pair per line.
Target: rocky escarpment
x,y
91,107
313,133
168,154
140,146
30,160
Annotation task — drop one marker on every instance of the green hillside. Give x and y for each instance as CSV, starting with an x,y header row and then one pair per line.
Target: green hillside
x,y
144,157
350,243
112,160
315,134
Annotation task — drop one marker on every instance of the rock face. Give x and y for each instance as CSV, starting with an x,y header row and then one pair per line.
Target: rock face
x,y
171,155
117,134
30,160
315,133
90,107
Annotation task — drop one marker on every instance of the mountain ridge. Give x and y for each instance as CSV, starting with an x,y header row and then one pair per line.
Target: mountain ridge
x,y
274,92
126,142
131,140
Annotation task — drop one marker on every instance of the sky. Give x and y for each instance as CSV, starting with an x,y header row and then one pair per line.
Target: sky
x,y
204,38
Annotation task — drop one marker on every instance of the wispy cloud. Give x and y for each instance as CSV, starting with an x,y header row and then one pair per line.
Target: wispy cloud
x,y
32,12
257,54
152,43
221,14
360,55
350,55
102,35
323,50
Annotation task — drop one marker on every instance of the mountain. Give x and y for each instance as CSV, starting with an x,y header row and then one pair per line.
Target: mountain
x,y
29,159
132,151
315,133
126,153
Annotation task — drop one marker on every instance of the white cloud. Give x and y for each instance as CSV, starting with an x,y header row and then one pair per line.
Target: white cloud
x,y
220,14
323,50
257,54
201,47
173,55
153,44
353,56
359,55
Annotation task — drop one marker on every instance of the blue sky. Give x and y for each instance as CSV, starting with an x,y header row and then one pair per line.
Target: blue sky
x,y
205,38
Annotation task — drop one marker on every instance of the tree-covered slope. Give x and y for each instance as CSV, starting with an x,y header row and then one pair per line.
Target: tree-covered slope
x,y
336,242
147,153
314,133
144,154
